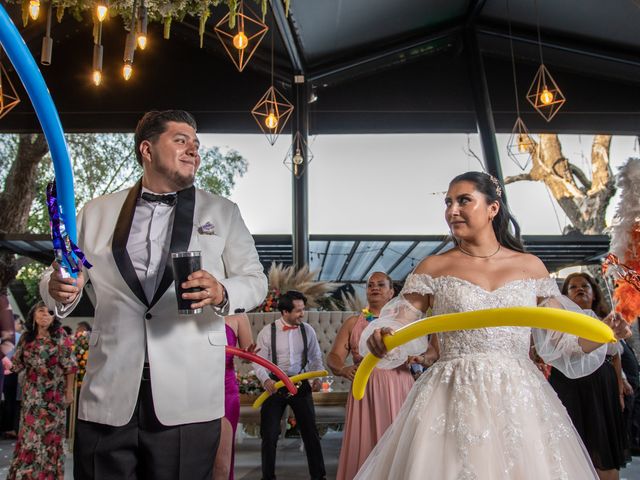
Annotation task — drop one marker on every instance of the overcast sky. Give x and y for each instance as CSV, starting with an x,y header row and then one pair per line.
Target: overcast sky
x,y
388,184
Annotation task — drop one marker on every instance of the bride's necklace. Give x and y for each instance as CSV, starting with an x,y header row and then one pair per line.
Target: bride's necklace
x,y
479,256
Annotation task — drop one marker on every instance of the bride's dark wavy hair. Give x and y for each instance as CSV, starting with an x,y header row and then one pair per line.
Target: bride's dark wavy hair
x,y
492,190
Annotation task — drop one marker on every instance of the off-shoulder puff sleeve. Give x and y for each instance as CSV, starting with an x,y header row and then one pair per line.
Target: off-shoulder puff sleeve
x,y
396,314
562,350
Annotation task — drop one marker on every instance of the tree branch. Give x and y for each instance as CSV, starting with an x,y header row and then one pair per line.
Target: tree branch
x,y
519,178
579,174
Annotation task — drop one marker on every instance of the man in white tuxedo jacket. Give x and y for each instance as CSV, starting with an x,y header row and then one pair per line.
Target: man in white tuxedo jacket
x,y
153,395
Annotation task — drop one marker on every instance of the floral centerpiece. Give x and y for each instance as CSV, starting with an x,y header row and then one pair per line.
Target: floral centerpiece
x,y
248,384
81,350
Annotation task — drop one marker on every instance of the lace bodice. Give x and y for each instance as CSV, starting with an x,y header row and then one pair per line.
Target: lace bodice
x,y
452,294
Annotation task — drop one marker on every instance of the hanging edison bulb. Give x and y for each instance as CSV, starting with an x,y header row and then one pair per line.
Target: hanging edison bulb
x,y
127,70
97,77
546,97
524,143
34,9
142,41
271,121
298,159
240,41
141,35
101,10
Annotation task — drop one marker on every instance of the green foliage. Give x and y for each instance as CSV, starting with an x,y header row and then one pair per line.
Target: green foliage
x,y
218,171
30,275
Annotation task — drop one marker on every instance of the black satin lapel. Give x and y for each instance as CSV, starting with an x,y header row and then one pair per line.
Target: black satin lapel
x,y
119,244
180,236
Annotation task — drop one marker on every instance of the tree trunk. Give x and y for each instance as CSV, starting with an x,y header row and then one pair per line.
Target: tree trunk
x,y
16,199
583,201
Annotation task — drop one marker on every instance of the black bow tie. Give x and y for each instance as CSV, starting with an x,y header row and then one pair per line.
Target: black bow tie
x,y
169,199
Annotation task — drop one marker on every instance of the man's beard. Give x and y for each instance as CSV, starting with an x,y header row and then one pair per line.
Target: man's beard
x,y
180,181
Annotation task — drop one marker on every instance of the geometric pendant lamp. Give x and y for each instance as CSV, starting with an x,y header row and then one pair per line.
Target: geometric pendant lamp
x,y
271,113
521,145
545,95
8,95
243,39
298,156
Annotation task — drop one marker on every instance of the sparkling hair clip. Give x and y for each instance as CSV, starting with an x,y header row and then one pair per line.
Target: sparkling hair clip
x,y
495,181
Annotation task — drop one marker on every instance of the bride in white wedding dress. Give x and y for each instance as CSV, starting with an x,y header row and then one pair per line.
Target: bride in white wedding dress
x,y
483,411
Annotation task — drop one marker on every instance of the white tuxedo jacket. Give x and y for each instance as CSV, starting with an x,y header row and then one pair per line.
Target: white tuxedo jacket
x,y
186,353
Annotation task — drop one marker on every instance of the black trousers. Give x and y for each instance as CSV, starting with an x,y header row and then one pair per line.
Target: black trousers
x,y
144,448
10,416
270,416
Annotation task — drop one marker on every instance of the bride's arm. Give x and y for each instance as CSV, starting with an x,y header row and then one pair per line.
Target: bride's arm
x,y
408,307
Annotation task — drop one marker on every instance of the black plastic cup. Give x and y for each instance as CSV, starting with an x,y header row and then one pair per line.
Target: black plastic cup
x,y
184,264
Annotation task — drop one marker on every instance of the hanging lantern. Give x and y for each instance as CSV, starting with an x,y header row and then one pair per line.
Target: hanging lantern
x,y
545,95
8,95
272,112
241,41
298,156
521,145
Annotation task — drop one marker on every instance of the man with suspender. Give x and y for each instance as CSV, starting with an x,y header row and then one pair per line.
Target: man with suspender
x,y
293,346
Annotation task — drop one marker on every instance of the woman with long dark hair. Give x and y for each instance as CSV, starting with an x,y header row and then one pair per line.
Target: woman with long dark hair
x,y
595,402
482,410
45,353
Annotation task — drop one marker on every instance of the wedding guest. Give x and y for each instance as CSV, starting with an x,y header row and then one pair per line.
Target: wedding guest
x,y
11,406
44,352
631,369
163,419
367,420
594,401
292,345
83,327
238,331
482,410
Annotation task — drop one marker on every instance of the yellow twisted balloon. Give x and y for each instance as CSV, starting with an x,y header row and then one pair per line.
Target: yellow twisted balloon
x,y
296,378
567,321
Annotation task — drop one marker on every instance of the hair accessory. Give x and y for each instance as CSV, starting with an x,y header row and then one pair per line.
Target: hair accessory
x,y
495,181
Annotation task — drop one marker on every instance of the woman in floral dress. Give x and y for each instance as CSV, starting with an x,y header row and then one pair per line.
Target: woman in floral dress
x,y
45,353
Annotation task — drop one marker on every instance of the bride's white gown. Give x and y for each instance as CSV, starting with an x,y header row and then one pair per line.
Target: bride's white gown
x,y
483,410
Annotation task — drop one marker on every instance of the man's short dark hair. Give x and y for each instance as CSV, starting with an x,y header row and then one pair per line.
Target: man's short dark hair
x,y
285,303
154,123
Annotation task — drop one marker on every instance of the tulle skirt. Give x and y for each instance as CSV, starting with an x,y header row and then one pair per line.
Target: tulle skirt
x,y
480,417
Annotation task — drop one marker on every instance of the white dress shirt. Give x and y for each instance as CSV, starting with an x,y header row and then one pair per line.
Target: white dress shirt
x,y
289,350
149,241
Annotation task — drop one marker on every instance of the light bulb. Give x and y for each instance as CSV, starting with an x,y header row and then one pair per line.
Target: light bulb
x,y
297,159
546,97
34,9
523,144
271,121
101,11
240,41
97,77
142,41
127,70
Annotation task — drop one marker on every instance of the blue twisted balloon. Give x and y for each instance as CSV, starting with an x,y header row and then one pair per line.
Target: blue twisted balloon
x,y
31,78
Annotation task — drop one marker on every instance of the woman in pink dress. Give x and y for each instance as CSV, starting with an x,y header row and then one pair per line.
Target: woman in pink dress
x,y
367,419
238,334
